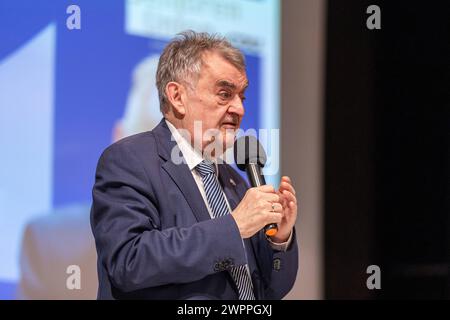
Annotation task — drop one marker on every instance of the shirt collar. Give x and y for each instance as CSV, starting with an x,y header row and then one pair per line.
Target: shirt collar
x,y
191,156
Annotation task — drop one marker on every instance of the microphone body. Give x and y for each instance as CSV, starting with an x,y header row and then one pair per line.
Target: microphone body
x,y
254,174
250,156
256,179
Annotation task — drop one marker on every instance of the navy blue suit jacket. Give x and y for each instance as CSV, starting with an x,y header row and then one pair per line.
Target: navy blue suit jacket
x,y
155,238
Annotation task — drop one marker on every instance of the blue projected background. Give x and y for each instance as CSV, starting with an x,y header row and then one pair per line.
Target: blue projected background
x,y
66,94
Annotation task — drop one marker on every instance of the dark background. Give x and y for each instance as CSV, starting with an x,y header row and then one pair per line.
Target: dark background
x,y
387,121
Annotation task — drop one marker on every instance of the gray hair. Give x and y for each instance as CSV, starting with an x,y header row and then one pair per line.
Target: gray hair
x,y
181,59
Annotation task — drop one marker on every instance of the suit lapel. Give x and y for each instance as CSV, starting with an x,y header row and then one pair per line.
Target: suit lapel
x,y
180,173
182,176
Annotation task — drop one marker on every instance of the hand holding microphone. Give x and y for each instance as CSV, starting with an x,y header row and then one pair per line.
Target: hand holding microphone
x,y
250,156
258,208
262,206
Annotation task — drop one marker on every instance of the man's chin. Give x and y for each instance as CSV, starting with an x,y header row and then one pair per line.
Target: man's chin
x,y
229,135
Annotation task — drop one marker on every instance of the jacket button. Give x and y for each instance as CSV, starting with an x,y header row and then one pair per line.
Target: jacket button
x,y
277,264
217,267
228,263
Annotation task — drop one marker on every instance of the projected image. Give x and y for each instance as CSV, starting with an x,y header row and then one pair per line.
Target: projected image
x,y
66,94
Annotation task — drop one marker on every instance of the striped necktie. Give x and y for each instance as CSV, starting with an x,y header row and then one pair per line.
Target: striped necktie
x,y
217,203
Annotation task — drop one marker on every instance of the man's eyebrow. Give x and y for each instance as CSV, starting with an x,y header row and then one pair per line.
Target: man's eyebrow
x,y
230,85
225,83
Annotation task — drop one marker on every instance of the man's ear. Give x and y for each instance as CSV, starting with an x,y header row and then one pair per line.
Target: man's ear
x,y
174,93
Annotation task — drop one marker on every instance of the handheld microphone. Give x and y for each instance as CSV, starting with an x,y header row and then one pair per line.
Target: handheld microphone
x,y
250,157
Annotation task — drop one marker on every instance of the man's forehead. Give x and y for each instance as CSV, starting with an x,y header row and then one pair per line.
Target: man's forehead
x,y
223,72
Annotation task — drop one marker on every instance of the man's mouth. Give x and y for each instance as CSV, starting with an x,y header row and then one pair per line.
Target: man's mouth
x,y
229,125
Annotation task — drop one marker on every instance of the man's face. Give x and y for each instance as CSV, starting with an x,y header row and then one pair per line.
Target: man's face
x,y
217,101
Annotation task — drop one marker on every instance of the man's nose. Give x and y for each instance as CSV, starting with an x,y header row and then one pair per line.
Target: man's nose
x,y
237,106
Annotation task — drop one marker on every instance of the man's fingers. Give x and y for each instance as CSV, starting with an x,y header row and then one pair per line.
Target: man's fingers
x,y
270,197
284,185
287,179
283,200
265,192
292,205
290,196
266,188
274,207
274,217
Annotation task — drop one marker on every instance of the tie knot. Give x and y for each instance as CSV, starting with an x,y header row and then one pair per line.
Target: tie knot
x,y
205,168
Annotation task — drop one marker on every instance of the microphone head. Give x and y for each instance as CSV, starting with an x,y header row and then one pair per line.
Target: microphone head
x,y
247,149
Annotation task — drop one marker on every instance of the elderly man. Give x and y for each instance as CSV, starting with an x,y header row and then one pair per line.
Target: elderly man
x,y
191,230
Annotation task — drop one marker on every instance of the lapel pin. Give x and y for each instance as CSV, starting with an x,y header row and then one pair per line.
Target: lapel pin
x,y
232,182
